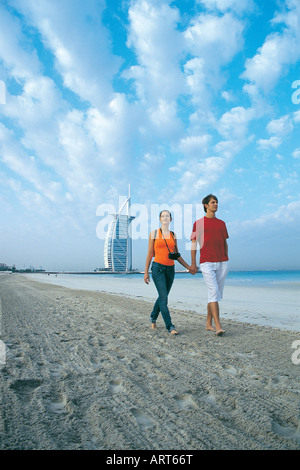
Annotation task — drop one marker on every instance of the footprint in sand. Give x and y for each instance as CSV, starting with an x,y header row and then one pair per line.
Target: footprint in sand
x,y
185,402
57,371
115,386
209,398
142,420
15,351
286,430
24,388
59,404
122,358
231,370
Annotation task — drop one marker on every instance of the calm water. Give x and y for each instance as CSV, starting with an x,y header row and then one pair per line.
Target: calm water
x,y
262,278
242,278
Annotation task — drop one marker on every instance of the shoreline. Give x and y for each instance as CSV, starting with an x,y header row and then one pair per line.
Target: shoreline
x,y
84,370
269,306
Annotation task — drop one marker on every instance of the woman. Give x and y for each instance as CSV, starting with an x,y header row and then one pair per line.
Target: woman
x,y
162,242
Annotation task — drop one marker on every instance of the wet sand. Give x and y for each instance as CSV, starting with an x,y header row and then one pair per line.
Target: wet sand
x,y
84,370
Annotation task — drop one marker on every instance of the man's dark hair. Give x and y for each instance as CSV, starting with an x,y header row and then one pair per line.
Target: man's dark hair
x,y
206,200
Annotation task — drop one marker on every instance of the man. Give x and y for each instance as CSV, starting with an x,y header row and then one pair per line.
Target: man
x,y
211,234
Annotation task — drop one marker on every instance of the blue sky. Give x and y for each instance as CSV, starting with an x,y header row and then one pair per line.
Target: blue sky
x,y
177,99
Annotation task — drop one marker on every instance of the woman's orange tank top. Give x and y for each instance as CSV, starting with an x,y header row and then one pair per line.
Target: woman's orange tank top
x,y
161,253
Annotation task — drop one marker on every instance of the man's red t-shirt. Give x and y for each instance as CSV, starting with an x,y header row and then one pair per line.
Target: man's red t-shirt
x,y
211,235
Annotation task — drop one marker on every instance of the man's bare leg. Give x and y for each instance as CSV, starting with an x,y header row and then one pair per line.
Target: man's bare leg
x,y
213,313
209,325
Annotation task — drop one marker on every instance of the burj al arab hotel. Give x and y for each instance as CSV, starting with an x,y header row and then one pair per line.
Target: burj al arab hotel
x,y
118,241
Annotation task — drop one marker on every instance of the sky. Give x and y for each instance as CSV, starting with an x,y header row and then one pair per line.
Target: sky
x,y
176,99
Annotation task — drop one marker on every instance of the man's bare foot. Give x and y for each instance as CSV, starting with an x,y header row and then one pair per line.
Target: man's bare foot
x,y
153,326
173,332
220,332
210,328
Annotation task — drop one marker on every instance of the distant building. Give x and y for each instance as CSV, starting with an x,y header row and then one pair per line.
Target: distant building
x,y
118,242
4,267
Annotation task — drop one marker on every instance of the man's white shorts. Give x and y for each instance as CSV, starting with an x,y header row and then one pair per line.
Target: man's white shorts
x,y
214,275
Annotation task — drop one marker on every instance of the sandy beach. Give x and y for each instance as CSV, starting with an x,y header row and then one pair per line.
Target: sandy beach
x,y
84,370
276,305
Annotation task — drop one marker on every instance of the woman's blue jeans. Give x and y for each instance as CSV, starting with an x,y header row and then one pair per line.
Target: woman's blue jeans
x,y
163,277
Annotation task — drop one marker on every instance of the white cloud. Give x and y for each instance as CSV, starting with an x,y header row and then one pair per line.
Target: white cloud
x,y
200,172
16,52
26,166
281,126
56,140
215,38
114,132
296,153
196,176
78,152
36,105
234,123
61,139
279,129
195,146
227,95
230,148
212,41
285,214
165,120
265,68
238,6
197,82
84,60
296,117
268,144
278,52
151,165
269,239
289,181
157,43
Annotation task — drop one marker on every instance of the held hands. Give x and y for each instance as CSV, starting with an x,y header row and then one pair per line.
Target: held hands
x,y
193,269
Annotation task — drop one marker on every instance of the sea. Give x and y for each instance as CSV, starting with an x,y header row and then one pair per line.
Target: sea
x,y
268,298
254,278
236,278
